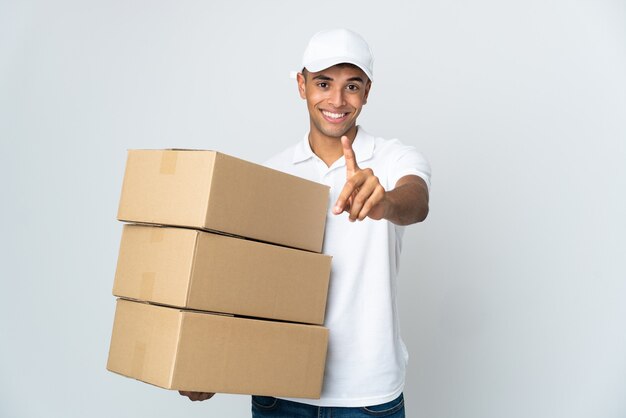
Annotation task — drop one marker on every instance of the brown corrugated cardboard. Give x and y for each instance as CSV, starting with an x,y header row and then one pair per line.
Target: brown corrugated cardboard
x,y
199,351
213,191
193,269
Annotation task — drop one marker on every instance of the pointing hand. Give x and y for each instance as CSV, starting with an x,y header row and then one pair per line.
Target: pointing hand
x,y
362,196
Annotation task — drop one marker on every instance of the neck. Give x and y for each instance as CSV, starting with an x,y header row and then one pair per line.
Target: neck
x,y
329,148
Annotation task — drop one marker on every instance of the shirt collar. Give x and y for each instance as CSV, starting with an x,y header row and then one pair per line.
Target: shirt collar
x,y
363,146
303,150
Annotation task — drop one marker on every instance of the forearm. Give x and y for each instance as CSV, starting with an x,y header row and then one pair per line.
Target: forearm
x,y
407,203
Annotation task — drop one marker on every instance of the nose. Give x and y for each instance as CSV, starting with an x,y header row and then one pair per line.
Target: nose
x,y
336,98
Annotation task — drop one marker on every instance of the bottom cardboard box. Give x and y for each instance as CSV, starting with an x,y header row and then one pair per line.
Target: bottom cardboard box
x,y
198,351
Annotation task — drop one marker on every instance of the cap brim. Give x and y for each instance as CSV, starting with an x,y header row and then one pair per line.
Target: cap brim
x,y
320,65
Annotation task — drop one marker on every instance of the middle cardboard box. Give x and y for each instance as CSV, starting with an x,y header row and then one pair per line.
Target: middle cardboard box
x,y
198,270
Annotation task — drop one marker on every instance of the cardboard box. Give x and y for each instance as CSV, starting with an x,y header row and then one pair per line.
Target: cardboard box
x,y
213,191
199,351
198,270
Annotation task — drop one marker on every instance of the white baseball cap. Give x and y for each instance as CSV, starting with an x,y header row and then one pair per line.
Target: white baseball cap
x,y
337,46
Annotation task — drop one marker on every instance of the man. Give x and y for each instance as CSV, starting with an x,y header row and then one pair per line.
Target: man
x,y
377,186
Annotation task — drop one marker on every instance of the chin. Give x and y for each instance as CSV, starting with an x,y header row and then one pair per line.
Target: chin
x,y
337,133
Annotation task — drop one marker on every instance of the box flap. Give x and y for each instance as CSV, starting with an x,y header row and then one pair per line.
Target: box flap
x,y
166,187
155,263
144,342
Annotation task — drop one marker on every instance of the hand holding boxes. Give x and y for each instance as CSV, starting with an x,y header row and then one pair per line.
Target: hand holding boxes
x,y
225,314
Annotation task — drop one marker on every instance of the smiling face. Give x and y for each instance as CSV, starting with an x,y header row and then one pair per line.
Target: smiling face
x,y
334,98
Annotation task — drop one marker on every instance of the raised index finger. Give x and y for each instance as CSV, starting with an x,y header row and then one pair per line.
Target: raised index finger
x,y
348,154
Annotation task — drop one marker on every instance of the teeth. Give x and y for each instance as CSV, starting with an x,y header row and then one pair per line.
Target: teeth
x,y
333,115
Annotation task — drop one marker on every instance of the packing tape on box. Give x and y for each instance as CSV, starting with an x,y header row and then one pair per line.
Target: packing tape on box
x,y
146,287
138,360
168,162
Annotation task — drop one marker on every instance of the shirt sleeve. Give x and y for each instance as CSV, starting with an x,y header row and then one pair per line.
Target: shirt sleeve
x,y
408,161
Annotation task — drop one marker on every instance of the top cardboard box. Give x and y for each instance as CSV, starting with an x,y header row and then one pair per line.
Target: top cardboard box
x,y
213,191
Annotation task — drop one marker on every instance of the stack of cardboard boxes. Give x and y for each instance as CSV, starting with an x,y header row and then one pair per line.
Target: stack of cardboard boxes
x,y
221,284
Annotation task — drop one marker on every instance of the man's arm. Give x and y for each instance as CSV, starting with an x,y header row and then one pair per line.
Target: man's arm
x,y
363,195
407,203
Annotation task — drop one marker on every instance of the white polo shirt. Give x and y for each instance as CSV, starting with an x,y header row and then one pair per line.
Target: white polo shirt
x,y
366,355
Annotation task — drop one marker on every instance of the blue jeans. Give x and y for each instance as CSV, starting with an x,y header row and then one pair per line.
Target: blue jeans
x,y
268,407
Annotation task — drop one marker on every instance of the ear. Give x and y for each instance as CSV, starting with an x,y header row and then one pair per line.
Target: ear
x,y
367,91
301,85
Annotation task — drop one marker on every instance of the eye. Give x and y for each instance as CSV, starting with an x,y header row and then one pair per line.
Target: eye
x,y
322,84
352,87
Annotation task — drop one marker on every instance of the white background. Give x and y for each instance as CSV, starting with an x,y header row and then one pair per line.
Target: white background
x,y
513,290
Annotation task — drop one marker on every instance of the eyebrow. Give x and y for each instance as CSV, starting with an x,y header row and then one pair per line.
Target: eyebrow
x,y
322,77
326,78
